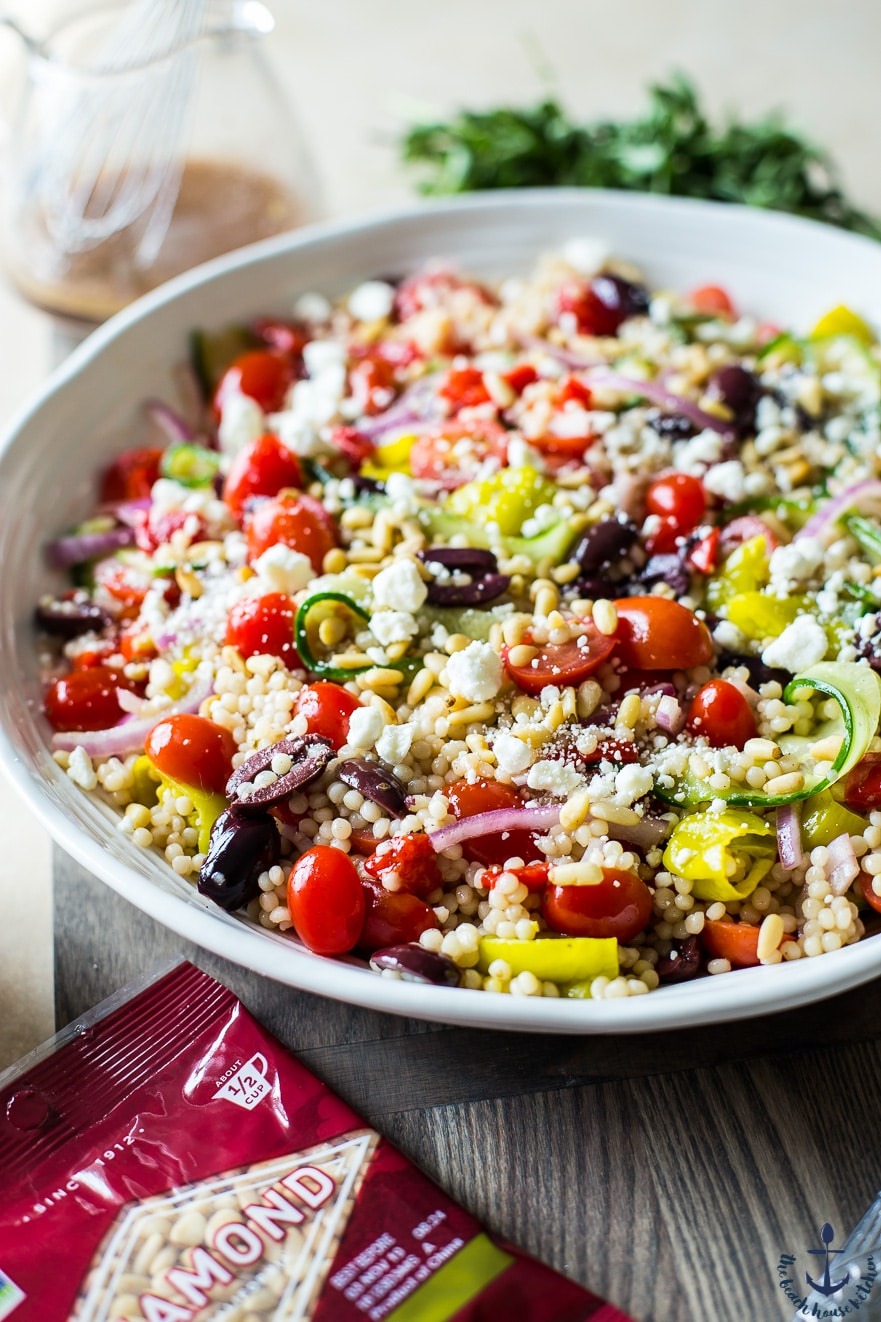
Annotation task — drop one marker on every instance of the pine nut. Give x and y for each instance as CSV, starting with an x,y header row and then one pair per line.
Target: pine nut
x,y
575,874
522,654
788,784
770,936
605,617
575,810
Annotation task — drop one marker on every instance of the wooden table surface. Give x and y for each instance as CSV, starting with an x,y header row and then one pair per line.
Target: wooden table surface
x,y
667,1172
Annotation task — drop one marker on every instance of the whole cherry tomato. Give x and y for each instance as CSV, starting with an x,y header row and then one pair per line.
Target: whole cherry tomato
x,y
298,521
409,862
721,713
655,633
561,663
264,626
85,699
262,468
441,456
192,750
679,500
468,798
285,337
131,475
713,301
600,305
619,906
262,374
326,900
327,708
392,918
862,788
734,941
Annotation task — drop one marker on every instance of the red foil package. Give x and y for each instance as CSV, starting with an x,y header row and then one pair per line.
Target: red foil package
x,y
170,1161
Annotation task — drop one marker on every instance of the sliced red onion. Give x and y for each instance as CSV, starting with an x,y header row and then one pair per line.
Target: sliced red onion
x,y
565,357
669,715
532,817
129,735
859,495
81,547
647,833
844,868
418,403
170,422
69,618
664,399
789,843
127,511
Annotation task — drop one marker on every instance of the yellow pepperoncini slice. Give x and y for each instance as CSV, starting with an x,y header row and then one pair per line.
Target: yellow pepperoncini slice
x,y
842,320
700,850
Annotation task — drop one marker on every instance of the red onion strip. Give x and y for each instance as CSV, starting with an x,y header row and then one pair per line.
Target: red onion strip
x,y
418,403
566,357
664,399
669,715
853,496
129,734
171,423
531,818
789,845
844,867
80,547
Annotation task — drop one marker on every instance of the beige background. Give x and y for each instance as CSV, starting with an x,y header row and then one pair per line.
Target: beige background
x,y
356,69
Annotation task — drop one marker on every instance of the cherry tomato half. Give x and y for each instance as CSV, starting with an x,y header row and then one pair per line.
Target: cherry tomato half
x,y
326,900
327,708
736,942
721,713
262,375
192,750
440,456
744,529
409,862
619,906
862,788
680,501
468,798
264,626
131,475
372,384
864,881
85,699
298,521
561,663
392,917
260,469
464,388
655,633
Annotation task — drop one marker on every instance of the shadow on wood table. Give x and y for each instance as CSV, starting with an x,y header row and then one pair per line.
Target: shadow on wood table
x,y
668,1172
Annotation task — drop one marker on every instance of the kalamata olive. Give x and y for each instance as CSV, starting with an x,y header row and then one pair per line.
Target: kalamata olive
x,y
682,963
368,486
416,964
604,543
739,390
619,299
479,592
469,559
240,849
870,647
375,783
672,425
308,757
70,618
759,673
668,568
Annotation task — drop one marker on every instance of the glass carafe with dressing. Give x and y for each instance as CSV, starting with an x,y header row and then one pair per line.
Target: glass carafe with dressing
x,y
122,173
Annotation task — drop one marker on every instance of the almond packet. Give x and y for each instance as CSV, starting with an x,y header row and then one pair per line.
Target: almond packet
x,y
167,1160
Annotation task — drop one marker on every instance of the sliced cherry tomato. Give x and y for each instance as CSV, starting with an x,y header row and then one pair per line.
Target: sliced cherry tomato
x,y
372,384
573,391
619,906
131,475
261,468
400,353
468,798
562,447
862,788
432,289
85,699
156,526
262,374
124,582
679,499
326,900
363,841
655,633
298,521
865,884
611,750
392,918
534,876
192,750
736,942
408,862
744,529
327,708
285,337
441,456
264,626
136,642
713,301
565,664
353,444
721,713
704,555
464,388
518,378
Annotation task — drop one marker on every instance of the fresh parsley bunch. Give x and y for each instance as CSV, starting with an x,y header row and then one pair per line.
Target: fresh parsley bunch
x,y
672,148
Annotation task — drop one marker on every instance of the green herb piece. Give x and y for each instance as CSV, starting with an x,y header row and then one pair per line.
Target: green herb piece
x,y
672,148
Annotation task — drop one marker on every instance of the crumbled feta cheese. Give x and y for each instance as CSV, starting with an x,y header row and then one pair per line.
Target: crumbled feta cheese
x,y
283,570
798,562
365,727
698,452
631,783
312,307
728,635
726,480
476,673
801,644
80,769
319,355
389,626
512,755
587,255
400,587
522,455
371,301
554,778
168,495
393,744
401,491
241,421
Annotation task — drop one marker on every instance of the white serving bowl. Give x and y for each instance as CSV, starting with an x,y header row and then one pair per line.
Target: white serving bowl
x,y
783,270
